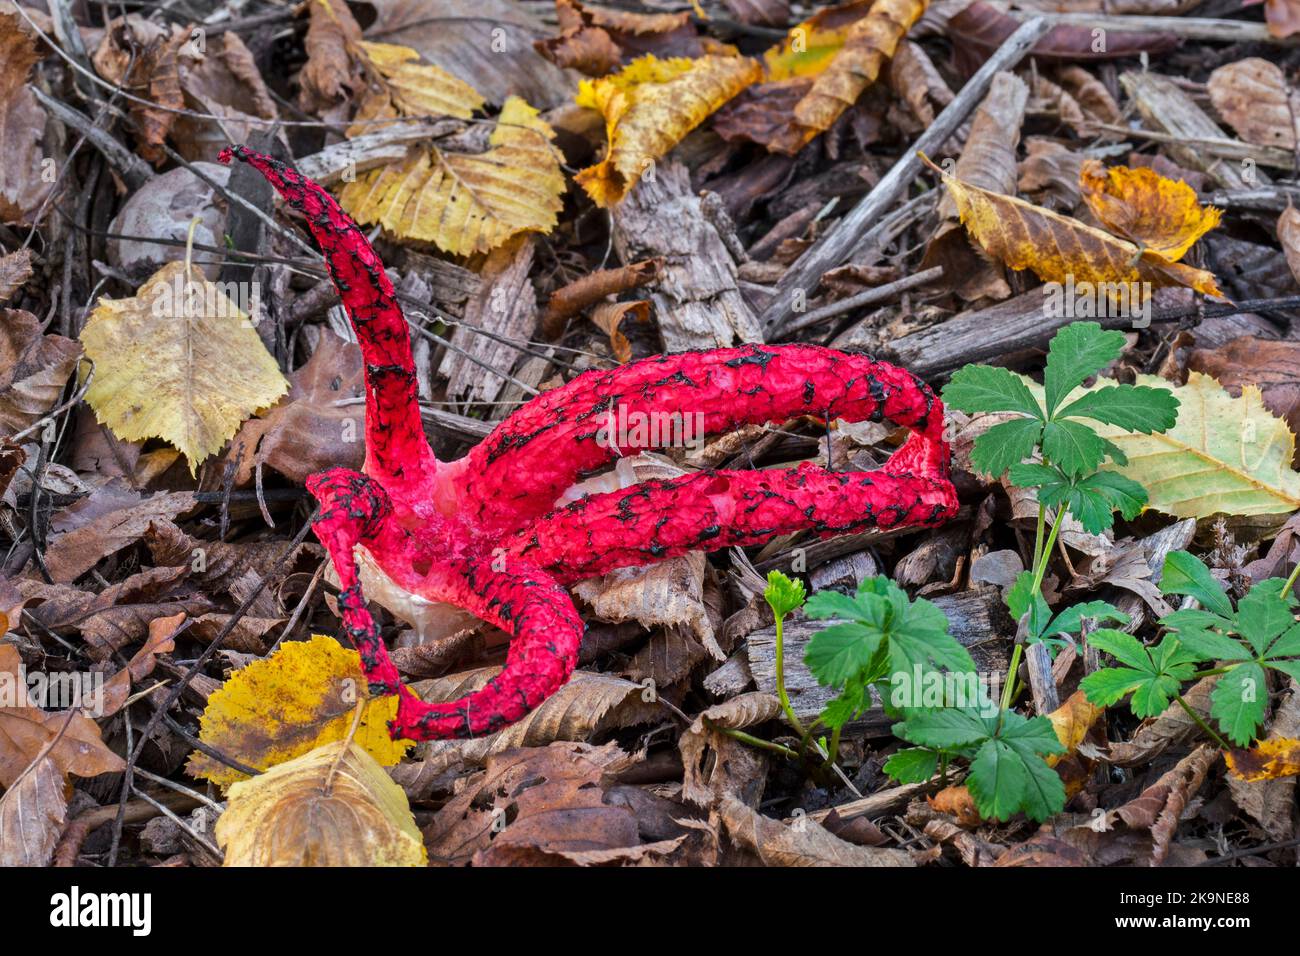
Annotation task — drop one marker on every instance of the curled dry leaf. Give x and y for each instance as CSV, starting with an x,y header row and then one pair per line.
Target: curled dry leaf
x,y
1160,806
32,816
649,107
331,72
73,553
333,806
160,641
608,316
26,730
33,370
869,42
144,58
179,361
988,161
586,291
294,701
805,842
1288,234
22,125
746,710
221,80
1161,215
15,270
466,203
1058,248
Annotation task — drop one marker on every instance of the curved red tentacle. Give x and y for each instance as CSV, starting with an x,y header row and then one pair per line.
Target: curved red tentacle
x,y
660,519
396,448
515,475
546,631
526,602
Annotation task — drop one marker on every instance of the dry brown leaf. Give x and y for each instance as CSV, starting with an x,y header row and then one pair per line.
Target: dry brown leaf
x,y
805,842
1268,760
310,431
160,641
15,270
868,44
1253,96
222,80
33,370
145,60
1050,174
1159,807
23,183
588,703
607,316
25,731
1058,248
1283,17
746,710
649,107
333,806
667,594
331,73
1090,93
988,161
75,552
1072,721
1271,801
1288,234
1162,215
586,291
1273,365
32,816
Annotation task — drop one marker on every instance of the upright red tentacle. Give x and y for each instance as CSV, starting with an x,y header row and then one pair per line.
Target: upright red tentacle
x,y
396,447
515,475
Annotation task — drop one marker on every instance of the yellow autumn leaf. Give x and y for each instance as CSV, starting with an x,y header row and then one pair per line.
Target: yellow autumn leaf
x,y
279,708
1061,249
406,87
1072,721
466,203
810,46
1162,215
1269,759
649,107
178,361
333,806
868,43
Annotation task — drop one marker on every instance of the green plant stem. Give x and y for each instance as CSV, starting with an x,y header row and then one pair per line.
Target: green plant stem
x,y
1038,534
1041,557
1223,745
755,741
780,678
1210,673
833,751
1290,582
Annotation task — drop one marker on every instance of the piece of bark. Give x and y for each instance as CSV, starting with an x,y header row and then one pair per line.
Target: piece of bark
x,y
506,306
977,619
1167,108
696,299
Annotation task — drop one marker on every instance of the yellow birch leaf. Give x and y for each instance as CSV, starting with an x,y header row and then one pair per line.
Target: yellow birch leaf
x,y
333,806
1072,721
420,89
649,107
279,708
178,361
467,203
1139,204
1061,249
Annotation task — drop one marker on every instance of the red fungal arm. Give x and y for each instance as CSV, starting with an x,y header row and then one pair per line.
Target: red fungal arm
x,y
705,511
546,633
396,448
534,608
515,475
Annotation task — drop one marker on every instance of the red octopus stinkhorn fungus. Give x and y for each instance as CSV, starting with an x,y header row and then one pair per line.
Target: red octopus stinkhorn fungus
x,y
485,534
